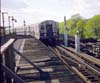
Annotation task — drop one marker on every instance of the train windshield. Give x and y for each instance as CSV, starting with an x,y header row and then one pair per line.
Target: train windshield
x,y
42,27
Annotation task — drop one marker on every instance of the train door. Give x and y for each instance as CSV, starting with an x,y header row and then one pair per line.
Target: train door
x,y
49,30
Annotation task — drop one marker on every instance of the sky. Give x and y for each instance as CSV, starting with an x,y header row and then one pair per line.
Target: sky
x,y
34,11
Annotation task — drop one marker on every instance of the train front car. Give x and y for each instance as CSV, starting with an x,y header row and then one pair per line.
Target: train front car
x,y
49,32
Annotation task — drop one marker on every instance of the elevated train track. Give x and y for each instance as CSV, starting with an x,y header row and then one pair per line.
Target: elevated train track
x,y
43,65
51,69
38,64
64,65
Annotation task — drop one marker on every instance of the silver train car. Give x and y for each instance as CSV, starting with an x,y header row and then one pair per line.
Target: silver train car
x,y
46,30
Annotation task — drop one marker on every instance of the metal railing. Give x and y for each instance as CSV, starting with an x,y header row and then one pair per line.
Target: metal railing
x,y
7,64
27,60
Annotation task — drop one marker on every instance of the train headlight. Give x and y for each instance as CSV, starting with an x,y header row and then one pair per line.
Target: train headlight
x,y
44,34
54,34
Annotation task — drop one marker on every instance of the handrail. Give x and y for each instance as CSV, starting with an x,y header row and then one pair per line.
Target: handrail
x,y
26,59
6,45
13,75
8,66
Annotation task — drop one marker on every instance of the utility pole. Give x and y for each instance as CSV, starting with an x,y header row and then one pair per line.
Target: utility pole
x,y
1,57
77,42
0,16
0,21
65,33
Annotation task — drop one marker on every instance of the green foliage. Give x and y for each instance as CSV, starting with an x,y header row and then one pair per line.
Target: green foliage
x,y
71,25
88,28
93,27
61,25
80,27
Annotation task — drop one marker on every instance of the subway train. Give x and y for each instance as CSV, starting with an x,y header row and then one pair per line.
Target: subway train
x,y
47,31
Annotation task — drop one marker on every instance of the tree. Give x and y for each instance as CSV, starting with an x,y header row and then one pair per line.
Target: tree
x,y
80,27
61,25
88,28
72,23
76,16
93,27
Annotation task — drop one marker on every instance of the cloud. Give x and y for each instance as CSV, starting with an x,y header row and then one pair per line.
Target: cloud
x,y
87,8
13,4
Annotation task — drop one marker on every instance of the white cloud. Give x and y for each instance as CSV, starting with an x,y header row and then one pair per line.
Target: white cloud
x,y
86,8
99,3
14,4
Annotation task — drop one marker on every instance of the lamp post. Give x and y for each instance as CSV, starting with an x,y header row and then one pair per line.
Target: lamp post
x,y
13,20
9,18
12,23
3,21
24,26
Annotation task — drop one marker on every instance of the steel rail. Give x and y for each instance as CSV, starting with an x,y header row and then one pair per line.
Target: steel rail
x,y
75,69
72,68
80,60
84,56
94,62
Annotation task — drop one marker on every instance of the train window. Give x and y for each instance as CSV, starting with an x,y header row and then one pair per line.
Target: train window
x,y
42,27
